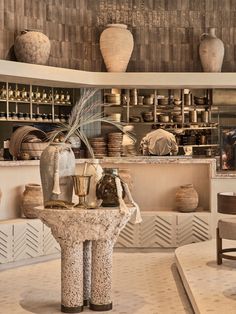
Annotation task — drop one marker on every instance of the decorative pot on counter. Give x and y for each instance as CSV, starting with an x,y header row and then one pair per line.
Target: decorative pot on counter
x,y
32,46
57,165
106,189
116,44
32,197
186,198
211,51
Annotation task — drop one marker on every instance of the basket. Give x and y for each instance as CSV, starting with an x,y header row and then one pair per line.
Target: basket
x,y
33,149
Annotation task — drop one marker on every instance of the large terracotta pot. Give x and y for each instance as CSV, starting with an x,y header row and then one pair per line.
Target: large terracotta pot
x,y
211,51
116,44
57,165
186,198
32,197
32,47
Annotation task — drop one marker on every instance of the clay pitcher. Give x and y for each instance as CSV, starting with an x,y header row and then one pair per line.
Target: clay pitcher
x,y
211,51
116,44
57,165
186,198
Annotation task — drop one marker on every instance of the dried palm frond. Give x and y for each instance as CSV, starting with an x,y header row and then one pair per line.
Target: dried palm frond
x,y
84,112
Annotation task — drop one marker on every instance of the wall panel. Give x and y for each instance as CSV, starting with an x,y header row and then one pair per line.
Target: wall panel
x,y
166,32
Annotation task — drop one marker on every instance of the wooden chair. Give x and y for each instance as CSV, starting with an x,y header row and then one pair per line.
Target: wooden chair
x,y
226,230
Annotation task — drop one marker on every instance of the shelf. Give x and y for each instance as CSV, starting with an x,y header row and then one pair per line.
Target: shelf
x,y
205,145
35,102
27,121
25,73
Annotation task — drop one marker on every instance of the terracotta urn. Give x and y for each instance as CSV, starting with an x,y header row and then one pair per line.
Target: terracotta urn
x,y
116,44
211,51
32,46
32,197
186,198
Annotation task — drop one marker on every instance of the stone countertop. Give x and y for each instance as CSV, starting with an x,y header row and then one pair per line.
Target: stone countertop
x,y
120,160
140,160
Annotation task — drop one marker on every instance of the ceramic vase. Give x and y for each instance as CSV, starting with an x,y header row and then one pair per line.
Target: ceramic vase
x,y
32,47
32,197
106,189
116,44
211,51
57,165
186,198
95,171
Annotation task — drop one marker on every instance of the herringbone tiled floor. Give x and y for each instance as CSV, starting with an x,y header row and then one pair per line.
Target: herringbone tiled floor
x,y
143,283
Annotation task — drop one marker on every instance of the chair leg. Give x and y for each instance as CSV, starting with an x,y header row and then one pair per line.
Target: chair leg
x,y
218,247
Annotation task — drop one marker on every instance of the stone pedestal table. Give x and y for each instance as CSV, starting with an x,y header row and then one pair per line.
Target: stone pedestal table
x,y
86,238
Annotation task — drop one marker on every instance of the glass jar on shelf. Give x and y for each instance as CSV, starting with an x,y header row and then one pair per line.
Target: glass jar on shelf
x,y
2,115
49,117
27,116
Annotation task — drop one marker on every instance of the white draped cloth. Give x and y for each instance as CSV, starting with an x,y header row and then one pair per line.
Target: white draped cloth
x,y
136,218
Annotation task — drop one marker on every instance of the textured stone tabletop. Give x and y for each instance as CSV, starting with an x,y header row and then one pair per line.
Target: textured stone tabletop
x,y
85,224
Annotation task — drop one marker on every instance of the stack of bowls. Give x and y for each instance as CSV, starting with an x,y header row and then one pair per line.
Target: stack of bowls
x,y
99,146
115,144
113,99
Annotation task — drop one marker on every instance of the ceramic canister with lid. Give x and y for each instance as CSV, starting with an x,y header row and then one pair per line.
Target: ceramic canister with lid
x,y
95,171
106,189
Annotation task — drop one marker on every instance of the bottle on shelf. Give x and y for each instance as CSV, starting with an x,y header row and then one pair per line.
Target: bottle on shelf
x,y
44,96
37,95
68,98
6,152
10,93
62,97
16,93
187,98
3,93
24,95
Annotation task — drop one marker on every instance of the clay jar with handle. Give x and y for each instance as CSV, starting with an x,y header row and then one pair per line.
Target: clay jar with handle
x,y
211,51
57,165
116,44
186,198
32,197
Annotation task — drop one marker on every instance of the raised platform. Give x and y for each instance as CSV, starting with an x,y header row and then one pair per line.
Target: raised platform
x,y
211,288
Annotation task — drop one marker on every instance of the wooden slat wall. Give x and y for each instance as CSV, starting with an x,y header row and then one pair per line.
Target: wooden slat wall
x,y
166,32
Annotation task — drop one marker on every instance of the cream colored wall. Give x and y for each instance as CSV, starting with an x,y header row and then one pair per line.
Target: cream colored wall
x,y
12,184
155,185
